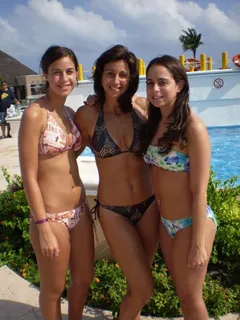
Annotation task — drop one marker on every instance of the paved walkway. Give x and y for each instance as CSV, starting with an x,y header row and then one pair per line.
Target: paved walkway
x,y
19,301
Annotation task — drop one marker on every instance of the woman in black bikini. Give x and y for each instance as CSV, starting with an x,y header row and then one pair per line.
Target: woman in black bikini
x,y
126,205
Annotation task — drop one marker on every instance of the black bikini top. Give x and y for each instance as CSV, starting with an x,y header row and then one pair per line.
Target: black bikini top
x,y
103,146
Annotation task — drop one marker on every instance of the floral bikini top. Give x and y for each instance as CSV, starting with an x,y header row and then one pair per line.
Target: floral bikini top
x,y
173,161
53,139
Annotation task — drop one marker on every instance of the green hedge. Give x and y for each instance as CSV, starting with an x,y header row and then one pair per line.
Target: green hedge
x,y
221,288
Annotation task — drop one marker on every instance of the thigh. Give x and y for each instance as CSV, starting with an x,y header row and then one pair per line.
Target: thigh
x,y
126,246
147,228
52,271
189,281
166,245
82,248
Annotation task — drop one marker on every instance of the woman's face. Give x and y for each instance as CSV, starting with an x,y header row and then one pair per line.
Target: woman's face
x,y
162,89
115,78
62,76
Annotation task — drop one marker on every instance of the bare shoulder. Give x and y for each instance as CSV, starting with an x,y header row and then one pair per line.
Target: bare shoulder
x,y
34,112
87,111
140,104
195,127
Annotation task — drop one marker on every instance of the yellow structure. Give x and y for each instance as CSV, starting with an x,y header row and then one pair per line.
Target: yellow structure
x,y
93,69
191,67
209,63
141,67
224,60
203,61
182,59
80,72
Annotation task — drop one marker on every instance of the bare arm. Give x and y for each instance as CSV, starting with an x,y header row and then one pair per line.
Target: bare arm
x,y
83,121
199,153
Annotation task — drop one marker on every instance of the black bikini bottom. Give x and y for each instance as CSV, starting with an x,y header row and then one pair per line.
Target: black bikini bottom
x,y
132,213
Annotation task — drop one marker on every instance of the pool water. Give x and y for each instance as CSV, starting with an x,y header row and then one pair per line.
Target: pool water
x,y
225,152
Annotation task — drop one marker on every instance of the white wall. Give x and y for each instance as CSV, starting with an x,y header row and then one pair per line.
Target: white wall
x,y
216,107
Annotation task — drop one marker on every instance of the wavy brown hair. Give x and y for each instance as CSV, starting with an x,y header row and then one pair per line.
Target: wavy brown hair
x,y
178,118
117,53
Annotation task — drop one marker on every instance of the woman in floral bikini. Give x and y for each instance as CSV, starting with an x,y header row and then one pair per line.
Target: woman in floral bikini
x,y
177,148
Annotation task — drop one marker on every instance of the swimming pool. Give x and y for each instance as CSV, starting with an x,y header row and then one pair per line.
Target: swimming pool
x,y
225,152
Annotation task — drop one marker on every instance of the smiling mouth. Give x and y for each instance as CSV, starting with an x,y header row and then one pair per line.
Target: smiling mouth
x,y
157,98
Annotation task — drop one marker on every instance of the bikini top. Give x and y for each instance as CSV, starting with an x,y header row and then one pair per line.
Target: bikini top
x,y
103,146
53,139
173,161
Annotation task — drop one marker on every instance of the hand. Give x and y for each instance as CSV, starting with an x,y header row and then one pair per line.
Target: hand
x,y
197,257
91,100
48,243
17,102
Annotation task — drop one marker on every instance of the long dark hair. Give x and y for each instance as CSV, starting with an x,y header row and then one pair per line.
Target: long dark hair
x,y
178,118
117,53
54,53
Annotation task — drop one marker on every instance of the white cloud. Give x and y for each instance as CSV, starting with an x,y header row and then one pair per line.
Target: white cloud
x,y
148,27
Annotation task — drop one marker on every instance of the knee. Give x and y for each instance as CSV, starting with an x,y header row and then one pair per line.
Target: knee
x,y
144,290
82,280
190,300
52,292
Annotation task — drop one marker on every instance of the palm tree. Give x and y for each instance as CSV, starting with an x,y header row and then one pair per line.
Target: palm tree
x,y
191,40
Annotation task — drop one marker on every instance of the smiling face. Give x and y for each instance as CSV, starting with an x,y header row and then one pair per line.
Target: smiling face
x,y
62,76
115,78
162,88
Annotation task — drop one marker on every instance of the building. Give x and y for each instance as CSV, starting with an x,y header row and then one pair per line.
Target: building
x,y
26,83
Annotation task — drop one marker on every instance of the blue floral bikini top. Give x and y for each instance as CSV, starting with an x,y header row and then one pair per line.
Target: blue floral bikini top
x,y
173,161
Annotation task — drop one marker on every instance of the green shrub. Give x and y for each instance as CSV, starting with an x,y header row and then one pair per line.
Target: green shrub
x,y
221,290
225,202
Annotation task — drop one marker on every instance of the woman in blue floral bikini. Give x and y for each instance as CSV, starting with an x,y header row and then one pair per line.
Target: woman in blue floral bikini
x,y
177,148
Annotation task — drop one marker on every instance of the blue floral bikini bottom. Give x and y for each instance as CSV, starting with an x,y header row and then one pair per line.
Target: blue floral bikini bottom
x,y
173,226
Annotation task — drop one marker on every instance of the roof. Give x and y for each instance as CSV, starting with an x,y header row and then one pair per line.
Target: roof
x,y
10,68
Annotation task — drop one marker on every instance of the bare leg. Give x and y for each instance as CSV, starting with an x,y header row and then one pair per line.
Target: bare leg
x,y
3,130
52,271
127,249
189,281
81,265
147,229
8,129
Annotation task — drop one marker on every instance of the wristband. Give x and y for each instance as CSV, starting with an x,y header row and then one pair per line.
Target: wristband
x,y
41,221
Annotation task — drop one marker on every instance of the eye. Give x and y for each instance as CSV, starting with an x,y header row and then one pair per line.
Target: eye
x,y
149,84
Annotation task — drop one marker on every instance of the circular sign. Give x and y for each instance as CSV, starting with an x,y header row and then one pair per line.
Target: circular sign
x,y
218,83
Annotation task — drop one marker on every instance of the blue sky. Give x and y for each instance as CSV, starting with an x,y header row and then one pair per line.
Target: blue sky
x,y
149,28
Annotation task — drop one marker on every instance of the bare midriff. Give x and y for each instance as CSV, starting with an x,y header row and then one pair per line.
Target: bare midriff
x,y
124,180
59,182
172,190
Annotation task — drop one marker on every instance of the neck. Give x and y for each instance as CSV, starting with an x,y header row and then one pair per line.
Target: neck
x,y
165,112
56,102
112,105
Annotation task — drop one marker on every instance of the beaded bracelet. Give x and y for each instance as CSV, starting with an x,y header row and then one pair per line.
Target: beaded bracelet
x,y
41,221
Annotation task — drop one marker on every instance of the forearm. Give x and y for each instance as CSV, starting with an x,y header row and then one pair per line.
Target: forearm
x,y
199,219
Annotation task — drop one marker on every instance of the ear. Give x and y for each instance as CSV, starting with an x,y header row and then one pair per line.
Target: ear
x,y
180,84
45,76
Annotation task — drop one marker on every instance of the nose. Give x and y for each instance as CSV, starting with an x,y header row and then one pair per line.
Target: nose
x,y
156,87
64,76
116,79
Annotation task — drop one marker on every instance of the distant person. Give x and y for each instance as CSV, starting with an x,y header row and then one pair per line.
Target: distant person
x,y
61,225
7,97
